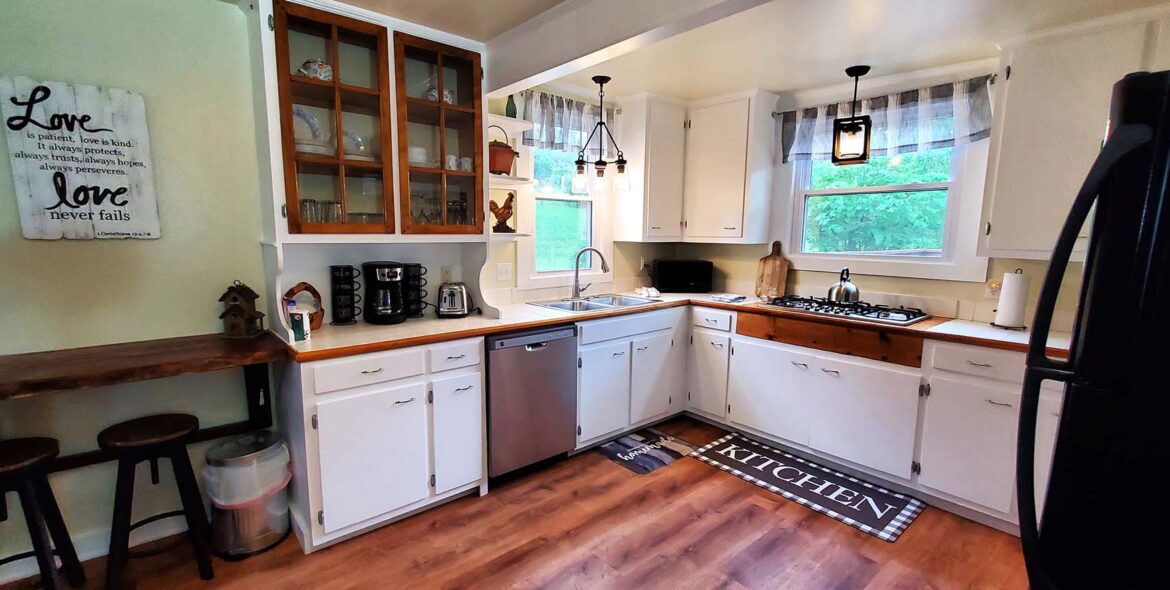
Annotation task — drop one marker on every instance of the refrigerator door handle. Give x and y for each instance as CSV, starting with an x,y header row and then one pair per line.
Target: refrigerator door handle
x,y
1040,366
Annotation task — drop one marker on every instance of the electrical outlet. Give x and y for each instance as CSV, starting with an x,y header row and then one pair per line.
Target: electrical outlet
x,y
503,271
642,263
993,286
446,273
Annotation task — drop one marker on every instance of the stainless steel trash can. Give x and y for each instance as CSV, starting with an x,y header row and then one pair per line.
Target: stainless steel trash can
x,y
246,479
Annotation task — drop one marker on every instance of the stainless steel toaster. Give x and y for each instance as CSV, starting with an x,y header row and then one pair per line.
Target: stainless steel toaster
x,y
454,301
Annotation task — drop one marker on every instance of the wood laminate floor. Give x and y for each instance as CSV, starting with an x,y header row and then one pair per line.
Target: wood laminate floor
x,y
589,523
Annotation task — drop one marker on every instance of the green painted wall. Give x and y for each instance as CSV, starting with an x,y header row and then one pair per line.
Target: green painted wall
x,y
189,60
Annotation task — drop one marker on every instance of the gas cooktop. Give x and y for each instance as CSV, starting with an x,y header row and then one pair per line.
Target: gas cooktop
x,y
859,310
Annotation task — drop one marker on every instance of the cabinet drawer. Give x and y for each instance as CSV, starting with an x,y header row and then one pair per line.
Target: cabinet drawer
x,y
366,369
1004,365
464,353
711,318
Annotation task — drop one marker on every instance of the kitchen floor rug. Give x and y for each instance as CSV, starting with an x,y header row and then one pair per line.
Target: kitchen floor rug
x,y
645,450
859,504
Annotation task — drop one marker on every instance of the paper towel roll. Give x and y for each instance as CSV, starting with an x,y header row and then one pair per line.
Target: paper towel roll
x,y
1013,293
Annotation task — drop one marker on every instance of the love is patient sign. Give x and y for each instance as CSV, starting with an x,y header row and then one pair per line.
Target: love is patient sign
x,y
80,160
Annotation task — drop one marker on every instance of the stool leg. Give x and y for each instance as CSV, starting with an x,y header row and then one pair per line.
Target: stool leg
x,y
38,534
60,534
120,529
197,528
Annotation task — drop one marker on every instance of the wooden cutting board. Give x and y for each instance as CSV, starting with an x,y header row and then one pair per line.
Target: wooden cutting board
x,y
772,273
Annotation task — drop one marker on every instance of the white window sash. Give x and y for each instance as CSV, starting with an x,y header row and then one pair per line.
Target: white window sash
x,y
528,278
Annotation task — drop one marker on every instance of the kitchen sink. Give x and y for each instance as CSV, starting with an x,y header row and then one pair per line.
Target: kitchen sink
x,y
575,305
619,300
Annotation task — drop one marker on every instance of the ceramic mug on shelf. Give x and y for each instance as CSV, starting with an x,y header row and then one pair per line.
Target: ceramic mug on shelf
x,y
449,96
432,93
416,154
315,68
451,162
467,164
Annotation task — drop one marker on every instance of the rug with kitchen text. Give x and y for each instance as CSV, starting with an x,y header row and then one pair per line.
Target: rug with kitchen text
x,y
645,450
859,504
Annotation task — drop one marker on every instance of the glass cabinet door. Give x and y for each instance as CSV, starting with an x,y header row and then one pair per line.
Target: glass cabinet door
x,y
440,136
334,97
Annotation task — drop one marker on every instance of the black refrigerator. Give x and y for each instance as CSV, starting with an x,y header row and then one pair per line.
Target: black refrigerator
x,y
1106,518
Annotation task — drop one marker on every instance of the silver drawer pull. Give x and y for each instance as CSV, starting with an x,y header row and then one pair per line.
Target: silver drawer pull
x,y
711,320
374,372
464,388
980,365
622,353
717,344
656,227
831,371
801,365
1000,404
641,348
729,228
401,401
456,357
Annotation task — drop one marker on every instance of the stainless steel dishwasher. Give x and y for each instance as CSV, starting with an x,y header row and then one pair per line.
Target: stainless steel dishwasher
x,y
532,397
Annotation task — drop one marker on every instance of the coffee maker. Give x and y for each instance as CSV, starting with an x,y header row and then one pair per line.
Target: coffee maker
x,y
385,301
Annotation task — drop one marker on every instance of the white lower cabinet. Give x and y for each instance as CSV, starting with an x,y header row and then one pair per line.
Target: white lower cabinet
x,y
770,389
865,412
969,441
603,389
707,367
373,452
655,372
457,413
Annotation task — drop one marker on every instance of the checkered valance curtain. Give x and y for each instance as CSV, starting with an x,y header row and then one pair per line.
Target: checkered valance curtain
x,y
564,124
925,118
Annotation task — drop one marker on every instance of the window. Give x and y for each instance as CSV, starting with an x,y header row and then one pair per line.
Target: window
x,y
564,223
900,215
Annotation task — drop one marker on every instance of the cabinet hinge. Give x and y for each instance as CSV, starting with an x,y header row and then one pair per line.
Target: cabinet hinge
x,y
684,223
578,431
432,480
733,350
1007,73
578,362
916,468
987,230
321,517
687,124
314,422
271,23
924,390
431,397
669,400
692,340
672,342
728,408
688,396
284,211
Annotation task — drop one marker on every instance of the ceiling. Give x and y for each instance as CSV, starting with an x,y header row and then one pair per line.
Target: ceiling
x,y
478,20
789,45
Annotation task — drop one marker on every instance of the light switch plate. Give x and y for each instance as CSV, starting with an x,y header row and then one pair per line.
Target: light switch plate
x,y
503,271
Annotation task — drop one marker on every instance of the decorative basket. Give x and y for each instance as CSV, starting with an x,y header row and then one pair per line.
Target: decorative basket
x,y
500,154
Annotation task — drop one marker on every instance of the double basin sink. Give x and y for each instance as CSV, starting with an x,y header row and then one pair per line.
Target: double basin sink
x,y
594,303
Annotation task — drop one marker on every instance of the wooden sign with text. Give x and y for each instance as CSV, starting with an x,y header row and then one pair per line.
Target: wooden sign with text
x,y
80,160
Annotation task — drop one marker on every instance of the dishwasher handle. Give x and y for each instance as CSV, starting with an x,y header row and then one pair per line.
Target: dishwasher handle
x,y
536,347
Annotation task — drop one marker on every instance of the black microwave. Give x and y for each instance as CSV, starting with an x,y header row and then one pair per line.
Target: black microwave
x,y
683,276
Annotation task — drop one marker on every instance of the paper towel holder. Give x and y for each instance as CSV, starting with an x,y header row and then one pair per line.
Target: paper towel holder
x,y
1018,271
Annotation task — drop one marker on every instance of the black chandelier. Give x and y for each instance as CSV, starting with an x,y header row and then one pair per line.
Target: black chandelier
x,y
621,181
851,134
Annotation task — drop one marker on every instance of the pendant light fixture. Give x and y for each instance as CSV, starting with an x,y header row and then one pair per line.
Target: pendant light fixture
x,y
621,182
851,134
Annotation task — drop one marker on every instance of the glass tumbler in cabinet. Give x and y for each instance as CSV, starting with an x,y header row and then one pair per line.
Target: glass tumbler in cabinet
x,y
334,91
440,137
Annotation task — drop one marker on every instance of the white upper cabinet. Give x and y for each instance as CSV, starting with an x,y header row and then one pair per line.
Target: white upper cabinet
x,y
728,180
653,139
1052,101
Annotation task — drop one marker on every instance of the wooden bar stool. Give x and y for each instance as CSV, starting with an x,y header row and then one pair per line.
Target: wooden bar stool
x,y
149,439
22,470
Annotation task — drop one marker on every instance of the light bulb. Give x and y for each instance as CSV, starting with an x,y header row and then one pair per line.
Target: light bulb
x,y
600,182
621,180
580,182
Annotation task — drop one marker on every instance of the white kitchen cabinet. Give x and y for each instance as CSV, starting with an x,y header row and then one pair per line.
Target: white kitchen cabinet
x,y
654,375
1051,109
707,372
770,389
457,413
865,413
969,441
603,389
373,452
728,169
653,138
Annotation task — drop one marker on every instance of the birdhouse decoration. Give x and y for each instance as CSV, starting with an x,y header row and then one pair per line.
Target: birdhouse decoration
x,y
503,212
240,318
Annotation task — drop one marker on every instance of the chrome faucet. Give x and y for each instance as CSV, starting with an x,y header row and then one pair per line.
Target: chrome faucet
x,y
577,288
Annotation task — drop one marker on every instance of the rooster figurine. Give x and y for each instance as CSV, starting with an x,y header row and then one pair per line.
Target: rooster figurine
x,y
503,213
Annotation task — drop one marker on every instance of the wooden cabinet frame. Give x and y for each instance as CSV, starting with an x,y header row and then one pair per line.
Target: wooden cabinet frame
x,y
401,42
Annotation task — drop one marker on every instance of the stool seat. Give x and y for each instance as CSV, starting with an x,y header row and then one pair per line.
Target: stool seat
x,y
148,431
22,454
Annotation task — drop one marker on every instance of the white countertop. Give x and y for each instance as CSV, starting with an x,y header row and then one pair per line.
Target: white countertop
x,y
984,331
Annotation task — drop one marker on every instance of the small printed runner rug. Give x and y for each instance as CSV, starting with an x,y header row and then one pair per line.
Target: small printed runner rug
x,y
645,450
859,504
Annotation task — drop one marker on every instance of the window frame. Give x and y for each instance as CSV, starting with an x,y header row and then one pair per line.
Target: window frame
x,y
958,261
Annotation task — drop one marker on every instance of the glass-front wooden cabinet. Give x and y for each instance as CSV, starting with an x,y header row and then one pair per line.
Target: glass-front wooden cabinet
x,y
333,81
440,137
